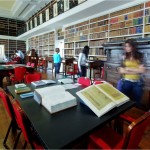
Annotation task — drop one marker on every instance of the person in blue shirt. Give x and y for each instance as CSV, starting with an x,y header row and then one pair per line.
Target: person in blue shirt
x,y
57,61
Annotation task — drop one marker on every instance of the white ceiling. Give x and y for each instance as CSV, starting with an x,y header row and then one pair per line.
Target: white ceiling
x,y
20,9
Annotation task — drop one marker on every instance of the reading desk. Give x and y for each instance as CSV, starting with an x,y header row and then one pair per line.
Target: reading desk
x,y
62,129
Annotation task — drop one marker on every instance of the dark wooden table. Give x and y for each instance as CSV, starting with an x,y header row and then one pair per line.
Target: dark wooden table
x,y
62,129
6,69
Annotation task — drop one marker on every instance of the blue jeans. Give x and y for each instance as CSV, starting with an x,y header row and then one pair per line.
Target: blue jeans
x,y
57,67
131,89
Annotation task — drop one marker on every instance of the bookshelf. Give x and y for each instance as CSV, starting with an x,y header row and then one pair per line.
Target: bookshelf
x,y
43,44
132,22
147,19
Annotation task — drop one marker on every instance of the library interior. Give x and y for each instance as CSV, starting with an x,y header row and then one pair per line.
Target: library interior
x,y
74,71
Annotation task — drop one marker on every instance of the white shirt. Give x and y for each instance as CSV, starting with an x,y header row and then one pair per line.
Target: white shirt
x,y
82,60
20,54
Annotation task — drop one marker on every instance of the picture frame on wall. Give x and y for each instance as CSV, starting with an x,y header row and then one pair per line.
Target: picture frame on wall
x,y
38,20
47,14
66,5
27,26
81,1
50,12
41,20
55,10
60,5
35,21
31,24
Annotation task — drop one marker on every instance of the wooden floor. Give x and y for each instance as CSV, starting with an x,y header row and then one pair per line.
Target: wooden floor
x,y
4,123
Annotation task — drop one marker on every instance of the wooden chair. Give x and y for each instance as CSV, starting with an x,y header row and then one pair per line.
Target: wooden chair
x,y
32,77
25,125
13,124
107,138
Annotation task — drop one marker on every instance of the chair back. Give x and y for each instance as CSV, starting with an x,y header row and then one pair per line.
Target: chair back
x,y
22,121
25,126
28,64
84,81
32,77
7,103
19,73
135,131
10,63
33,65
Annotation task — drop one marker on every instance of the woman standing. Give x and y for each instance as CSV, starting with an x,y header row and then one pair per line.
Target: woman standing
x,y
131,71
57,61
82,61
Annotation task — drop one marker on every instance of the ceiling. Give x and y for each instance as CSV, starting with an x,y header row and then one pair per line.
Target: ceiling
x,y
20,9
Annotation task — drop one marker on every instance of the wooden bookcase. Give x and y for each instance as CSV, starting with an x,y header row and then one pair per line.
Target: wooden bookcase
x,y
147,20
132,22
126,23
43,44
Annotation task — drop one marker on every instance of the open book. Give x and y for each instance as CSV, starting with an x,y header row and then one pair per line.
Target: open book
x,y
43,82
101,98
54,98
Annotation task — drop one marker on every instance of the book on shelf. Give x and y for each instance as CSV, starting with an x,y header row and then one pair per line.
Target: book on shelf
x,y
43,82
54,98
102,98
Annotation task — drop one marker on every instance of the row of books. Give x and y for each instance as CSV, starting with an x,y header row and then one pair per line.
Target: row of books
x,y
147,19
80,44
79,38
69,45
147,28
99,18
105,22
133,30
99,29
96,51
82,28
128,23
69,51
127,17
69,35
69,39
99,35
147,4
79,33
127,10
81,24
97,43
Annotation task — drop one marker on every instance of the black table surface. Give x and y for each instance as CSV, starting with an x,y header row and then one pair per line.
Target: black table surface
x,y
61,129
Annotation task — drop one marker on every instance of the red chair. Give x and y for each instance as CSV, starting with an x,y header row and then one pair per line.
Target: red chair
x,y
84,81
32,77
107,138
13,124
73,70
25,125
11,63
18,75
28,64
32,65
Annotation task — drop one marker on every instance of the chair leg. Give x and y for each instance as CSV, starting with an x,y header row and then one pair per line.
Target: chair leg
x,y
8,131
17,139
25,144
